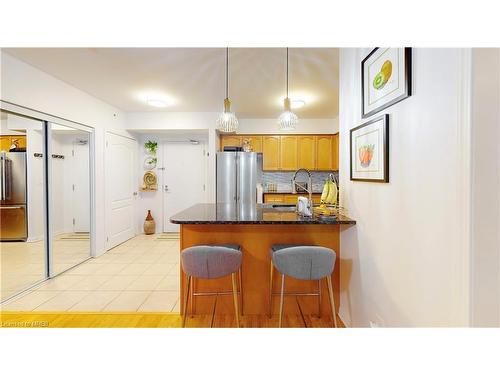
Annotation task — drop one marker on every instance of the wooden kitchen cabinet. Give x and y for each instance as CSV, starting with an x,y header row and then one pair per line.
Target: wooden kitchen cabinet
x,y
4,143
306,152
335,147
271,151
288,153
324,153
288,198
291,152
273,198
255,141
229,140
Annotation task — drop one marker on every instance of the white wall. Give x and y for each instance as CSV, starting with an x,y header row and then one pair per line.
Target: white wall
x,y
27,86
485,188
405,261
154,200
305,126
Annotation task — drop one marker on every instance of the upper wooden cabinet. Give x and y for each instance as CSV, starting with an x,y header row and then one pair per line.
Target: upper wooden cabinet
x,y
6,141
255,142
324,153
288,153
335,146
306,152
291,152
229,140
271,151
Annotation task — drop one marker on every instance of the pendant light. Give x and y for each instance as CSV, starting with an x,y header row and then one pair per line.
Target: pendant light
x,y
227,121
287,120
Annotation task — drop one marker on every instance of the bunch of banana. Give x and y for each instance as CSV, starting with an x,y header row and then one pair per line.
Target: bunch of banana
x,y
329,194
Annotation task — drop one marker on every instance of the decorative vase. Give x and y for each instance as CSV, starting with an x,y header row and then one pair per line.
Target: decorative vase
x,y
149,224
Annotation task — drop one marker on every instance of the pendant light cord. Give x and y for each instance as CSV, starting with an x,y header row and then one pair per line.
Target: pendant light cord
x,y
227,72
287,72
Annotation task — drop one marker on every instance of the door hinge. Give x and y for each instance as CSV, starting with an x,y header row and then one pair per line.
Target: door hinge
x,y
73,187
73,221
106,143
203,187
107,239
72,152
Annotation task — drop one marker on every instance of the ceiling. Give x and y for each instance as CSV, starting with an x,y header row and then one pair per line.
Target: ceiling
x,y
193,79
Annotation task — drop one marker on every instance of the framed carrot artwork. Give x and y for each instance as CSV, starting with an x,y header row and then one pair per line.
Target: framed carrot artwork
x,y
369,145
385,79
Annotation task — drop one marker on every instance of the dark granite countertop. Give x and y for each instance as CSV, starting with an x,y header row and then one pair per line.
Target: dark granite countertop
x,y
210,213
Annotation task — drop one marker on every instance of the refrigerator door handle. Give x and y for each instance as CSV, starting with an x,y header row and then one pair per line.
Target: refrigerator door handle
x,y
10,207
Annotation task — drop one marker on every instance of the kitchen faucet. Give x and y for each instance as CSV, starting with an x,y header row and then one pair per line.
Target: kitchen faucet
x,y
307,188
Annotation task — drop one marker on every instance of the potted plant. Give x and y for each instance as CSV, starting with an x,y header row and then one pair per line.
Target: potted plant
x,y
151,146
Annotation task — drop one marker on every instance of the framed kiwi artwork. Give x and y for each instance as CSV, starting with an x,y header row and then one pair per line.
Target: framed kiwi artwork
x,y
385,79
369,147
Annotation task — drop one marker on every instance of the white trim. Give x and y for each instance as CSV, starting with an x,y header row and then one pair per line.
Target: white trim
x,y
462,262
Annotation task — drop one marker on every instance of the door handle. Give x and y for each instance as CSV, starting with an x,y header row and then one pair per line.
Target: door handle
x,y
165,188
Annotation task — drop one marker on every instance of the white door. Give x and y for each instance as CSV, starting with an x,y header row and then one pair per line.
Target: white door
x,y
120,188
81,187
184,179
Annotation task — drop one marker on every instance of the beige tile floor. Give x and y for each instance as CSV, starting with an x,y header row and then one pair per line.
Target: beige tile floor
x,y
141,274
23,263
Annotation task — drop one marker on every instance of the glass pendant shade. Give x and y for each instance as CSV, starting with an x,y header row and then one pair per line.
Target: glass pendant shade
x,y
287,120
227,121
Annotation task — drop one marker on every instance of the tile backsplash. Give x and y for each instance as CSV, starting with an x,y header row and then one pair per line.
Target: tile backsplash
x,y
283,180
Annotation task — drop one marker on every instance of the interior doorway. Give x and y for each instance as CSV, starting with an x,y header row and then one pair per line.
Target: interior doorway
x,y
184,178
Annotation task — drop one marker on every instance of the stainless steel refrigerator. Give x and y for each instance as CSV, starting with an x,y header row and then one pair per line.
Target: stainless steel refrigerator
x,y
13,219
238,174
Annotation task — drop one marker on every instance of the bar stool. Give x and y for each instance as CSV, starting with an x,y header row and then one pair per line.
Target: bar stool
x,y
212,262
302,262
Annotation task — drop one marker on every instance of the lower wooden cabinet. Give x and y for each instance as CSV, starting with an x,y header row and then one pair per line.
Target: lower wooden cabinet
x,y
288,198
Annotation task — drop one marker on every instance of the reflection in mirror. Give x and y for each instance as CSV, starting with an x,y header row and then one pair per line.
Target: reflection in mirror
x,y
22,246
70,184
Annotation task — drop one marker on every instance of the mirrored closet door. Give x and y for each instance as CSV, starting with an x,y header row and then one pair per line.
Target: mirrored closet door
x,y
23,249
70,196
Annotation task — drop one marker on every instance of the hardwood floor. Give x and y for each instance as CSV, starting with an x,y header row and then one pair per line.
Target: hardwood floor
x,y
151,320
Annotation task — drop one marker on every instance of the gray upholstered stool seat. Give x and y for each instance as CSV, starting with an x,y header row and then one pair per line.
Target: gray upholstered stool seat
x,y
302,262
278,247
211,262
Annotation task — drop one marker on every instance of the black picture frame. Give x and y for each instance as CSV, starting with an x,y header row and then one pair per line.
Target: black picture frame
x,y
408,83
385,178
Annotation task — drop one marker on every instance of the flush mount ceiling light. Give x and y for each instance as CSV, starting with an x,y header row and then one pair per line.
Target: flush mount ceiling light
x,y
227,121
297,103
155,102
287,120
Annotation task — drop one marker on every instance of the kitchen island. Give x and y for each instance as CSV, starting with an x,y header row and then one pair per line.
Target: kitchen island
x,y
255,228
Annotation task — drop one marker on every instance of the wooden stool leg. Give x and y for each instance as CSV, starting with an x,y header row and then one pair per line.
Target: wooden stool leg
x,y
332,300
235,298
282,299
319,298
271,290
241,288
186,299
